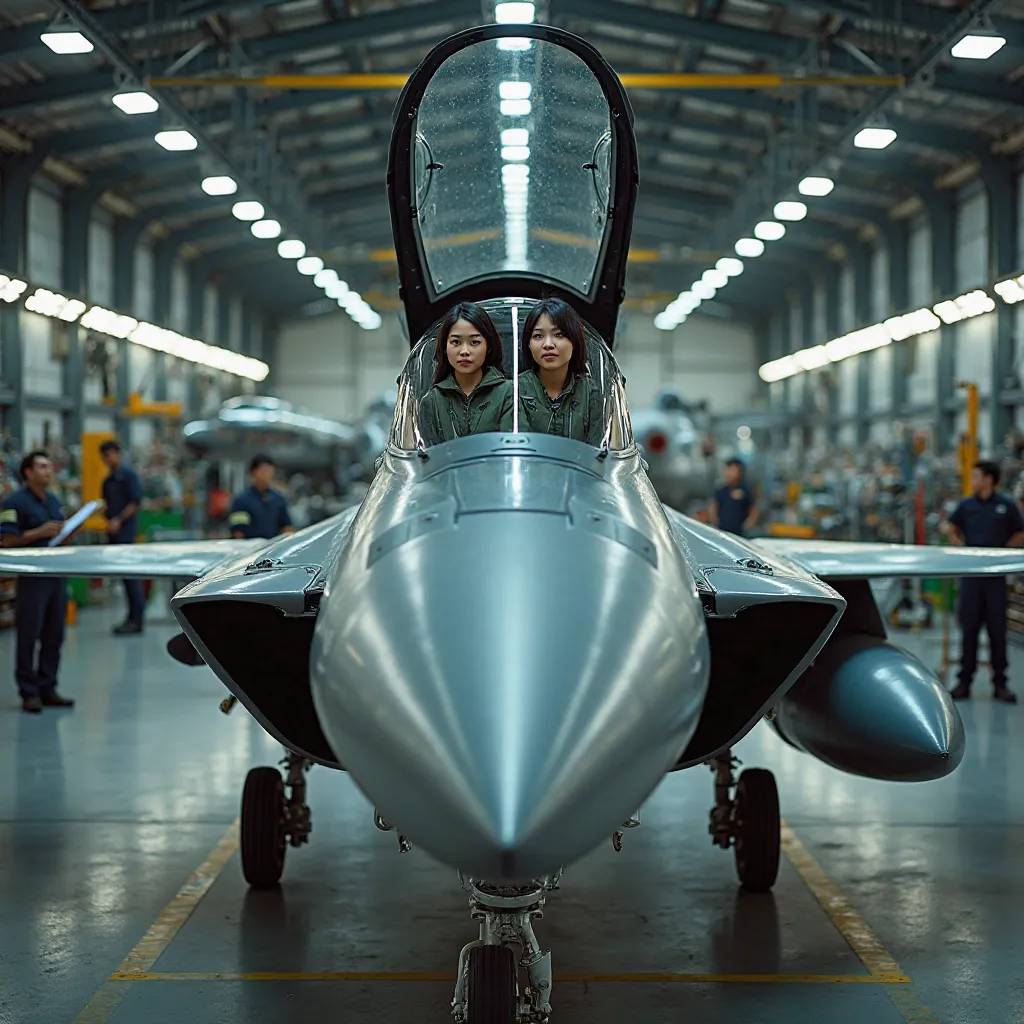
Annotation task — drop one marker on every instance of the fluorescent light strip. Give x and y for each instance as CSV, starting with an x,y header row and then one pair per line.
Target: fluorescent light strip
x,y
896,328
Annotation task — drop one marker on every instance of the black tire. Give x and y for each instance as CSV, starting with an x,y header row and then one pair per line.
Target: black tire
x,y
758,838
262,833
492,985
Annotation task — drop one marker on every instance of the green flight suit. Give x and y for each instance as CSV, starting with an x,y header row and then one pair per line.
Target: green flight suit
x,y
577,413
447,412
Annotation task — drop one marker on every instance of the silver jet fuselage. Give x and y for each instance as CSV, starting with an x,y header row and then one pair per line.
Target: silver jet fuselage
x,y
510,651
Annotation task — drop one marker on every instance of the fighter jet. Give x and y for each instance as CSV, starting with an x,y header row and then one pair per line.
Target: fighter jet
x,y
511,641
671,446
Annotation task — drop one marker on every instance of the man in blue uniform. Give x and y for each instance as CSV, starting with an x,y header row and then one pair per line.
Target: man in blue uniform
x,y
122,495
733,507
30,518
992,520
260,511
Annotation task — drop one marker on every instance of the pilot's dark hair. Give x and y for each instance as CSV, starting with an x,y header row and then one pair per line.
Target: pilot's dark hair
x,y
567,320
476,315
109,446
989,468
260,460
29,461
736,462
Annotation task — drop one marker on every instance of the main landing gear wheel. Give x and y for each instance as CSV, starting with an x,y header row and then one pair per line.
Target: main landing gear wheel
x,y
492,986
757,835
263,832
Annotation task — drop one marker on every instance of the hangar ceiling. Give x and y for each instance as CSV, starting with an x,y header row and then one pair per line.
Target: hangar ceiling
x,y
713,160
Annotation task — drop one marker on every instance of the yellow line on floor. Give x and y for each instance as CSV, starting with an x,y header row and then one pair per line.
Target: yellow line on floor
x,y
158,936
861,939
654,979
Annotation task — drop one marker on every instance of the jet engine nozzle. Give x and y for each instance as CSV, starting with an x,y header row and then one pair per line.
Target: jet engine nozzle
x,y
510,687
872,709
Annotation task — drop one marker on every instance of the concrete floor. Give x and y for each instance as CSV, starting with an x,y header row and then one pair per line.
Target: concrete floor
x,y
107,809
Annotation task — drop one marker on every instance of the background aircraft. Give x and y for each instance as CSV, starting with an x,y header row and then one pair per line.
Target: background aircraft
x,y
511,641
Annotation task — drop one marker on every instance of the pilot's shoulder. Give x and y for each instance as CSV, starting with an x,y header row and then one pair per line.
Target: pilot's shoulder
x,y
15,501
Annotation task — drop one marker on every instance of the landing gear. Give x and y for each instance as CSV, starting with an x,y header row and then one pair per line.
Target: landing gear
x,y
750,823
491,987
272,819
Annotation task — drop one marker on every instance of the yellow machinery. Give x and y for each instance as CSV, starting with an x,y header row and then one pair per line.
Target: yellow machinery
x,y
93,474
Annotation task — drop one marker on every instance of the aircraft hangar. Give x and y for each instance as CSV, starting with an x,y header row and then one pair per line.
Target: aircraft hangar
x,y
500,503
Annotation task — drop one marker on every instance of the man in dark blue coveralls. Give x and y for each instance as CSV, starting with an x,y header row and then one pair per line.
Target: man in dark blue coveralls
x,y
991,520
122,495
260,511
30,517
733,507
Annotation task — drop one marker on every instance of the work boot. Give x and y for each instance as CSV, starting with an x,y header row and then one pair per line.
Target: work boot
x,y
961,693
54,700
31,705
127,629
1005,694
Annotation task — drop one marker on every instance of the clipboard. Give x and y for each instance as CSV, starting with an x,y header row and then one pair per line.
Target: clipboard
x,y
72,524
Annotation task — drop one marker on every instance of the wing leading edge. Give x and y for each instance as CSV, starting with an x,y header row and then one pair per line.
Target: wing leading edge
x,y
837,559
172,559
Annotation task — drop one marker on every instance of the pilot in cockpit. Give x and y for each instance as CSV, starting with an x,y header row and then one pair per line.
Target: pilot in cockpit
x,y
557,395
470,394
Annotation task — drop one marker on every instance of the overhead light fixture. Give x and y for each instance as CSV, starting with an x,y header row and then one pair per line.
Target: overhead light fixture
x,y
874,138
716,278
664,321
1011,291
769,230
291,249
337,289
55,305
266,228
514,174
11,288
703,290
515,152
975,46
730,266
309,265
325,277
176,140
135,102
749,248
515,90
790,209
963,307
63,38
514,13
515,137
248,209
814,185
515,108
219,185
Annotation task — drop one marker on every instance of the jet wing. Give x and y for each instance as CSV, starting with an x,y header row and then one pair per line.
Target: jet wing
x,y
175,559
837,559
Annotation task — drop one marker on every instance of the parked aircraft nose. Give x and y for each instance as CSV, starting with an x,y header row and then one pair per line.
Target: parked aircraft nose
x,y
509,688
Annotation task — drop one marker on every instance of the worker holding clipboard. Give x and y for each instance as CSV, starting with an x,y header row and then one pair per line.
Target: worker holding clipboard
x,y
34,517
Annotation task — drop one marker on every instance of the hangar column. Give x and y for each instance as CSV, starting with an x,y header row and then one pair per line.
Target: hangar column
x,y
197,274
17,178
163,262
861,258
942,211
833,272
126,238
897,240
1001,183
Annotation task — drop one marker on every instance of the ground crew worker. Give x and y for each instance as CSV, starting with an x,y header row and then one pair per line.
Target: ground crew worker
x,y
992,520
733,506
122,494
30,518
260,511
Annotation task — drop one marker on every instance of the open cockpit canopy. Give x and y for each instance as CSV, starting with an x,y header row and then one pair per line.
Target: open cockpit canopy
x,y
512,171
418,376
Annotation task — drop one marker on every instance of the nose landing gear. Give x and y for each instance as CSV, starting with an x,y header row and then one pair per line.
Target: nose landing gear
x,y
491,987
750,822
274,815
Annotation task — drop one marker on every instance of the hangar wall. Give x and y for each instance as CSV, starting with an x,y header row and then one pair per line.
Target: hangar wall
x,y
331,366
52,409
858,399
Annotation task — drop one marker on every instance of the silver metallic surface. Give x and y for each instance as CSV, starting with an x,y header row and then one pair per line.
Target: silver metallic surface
x,y
872,709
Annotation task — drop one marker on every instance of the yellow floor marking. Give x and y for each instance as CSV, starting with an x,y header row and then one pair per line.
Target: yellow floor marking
x,y
859,936
158,936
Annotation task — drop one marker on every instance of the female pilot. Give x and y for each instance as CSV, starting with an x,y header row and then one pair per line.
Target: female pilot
x,y
556,392
470,395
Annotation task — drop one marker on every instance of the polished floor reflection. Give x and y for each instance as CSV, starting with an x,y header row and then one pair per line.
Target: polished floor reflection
x,y
105,811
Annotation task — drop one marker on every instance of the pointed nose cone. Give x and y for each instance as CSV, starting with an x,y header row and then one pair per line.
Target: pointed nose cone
x,y
509,689
875,710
